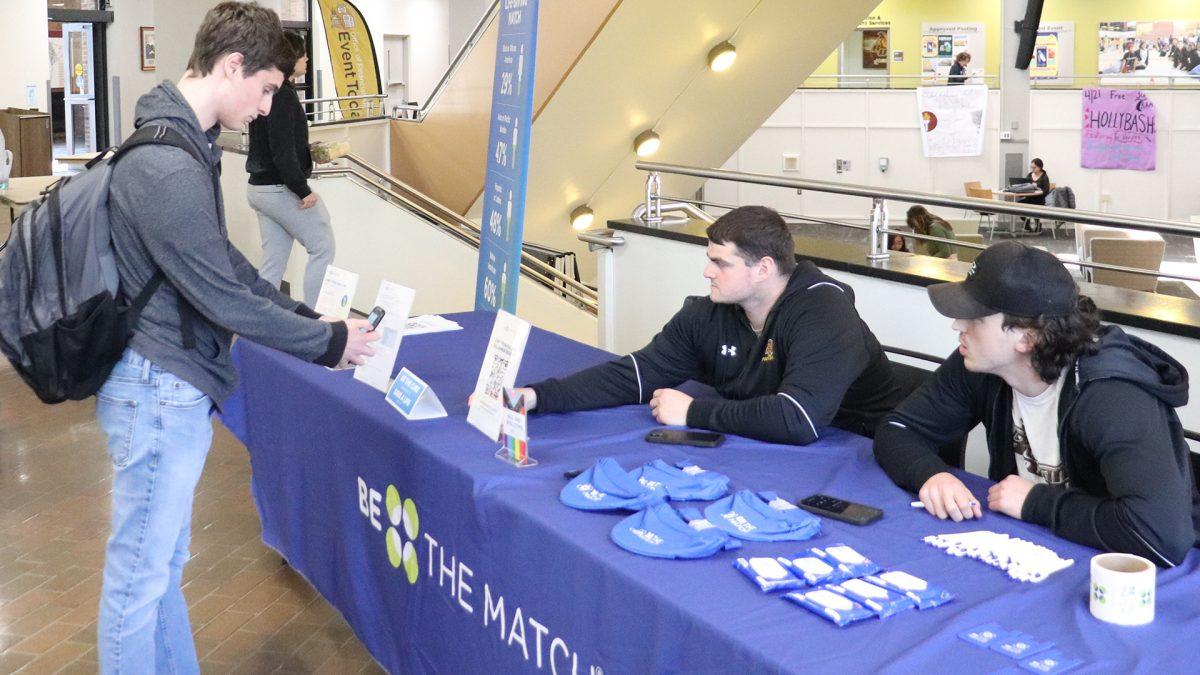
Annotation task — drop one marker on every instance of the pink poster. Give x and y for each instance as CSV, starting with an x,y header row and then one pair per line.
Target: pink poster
x,y
1118,130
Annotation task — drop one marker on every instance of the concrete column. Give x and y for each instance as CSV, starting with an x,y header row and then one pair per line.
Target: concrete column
x,y
1014,96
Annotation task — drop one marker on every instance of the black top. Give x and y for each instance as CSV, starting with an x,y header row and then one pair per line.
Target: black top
x,y
279,145
815,363
1043,184
1129,485
957,74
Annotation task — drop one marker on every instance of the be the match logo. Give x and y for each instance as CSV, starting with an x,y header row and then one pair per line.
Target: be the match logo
x,y
405,525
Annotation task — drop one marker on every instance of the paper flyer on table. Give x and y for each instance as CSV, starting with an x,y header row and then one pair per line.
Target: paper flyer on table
x,y
337,292
429,323
397,301
499,371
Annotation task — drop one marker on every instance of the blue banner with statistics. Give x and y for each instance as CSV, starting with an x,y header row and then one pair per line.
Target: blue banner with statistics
x,y
507,158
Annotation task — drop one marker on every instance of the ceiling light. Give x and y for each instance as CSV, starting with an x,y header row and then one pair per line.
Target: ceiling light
x,y
646,143
581,218
721,57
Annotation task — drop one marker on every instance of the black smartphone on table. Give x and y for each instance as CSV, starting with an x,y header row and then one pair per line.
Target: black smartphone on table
x,y
703,439
840,509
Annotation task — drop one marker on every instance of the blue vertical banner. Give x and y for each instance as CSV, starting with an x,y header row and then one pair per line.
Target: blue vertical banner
x,y
507,158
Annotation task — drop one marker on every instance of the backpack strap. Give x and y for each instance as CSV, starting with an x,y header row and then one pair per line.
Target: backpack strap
x,y
157,134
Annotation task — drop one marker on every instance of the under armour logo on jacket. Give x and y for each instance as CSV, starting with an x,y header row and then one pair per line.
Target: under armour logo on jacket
x,y
726,350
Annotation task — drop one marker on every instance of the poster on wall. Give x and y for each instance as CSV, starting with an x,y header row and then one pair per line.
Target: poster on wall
x,y
1148,48
875,49
1118,130
1054,53
942,42
952,120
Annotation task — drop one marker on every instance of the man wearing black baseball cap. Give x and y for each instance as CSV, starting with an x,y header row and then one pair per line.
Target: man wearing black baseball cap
x,y
1081,428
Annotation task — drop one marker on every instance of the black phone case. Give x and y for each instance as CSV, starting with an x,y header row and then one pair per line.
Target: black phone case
x,y
681,437
853,513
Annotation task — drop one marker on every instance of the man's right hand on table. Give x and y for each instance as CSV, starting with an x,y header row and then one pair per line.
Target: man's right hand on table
x,y
946,497
359,336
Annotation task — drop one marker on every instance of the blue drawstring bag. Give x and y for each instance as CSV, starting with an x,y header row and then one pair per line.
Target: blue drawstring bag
x,y
682,482
762,517
606,486
659,531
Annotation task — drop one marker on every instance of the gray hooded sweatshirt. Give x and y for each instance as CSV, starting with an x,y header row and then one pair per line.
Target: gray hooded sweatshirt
x,y
166,212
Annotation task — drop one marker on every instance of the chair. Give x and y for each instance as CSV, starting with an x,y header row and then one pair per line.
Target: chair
x,y
911,378
962,226
967,187
983,193
1142,253
1127,248
969,254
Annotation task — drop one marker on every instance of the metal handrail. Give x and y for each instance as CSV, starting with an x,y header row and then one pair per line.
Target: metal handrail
x,y
460,227
420,111
446,214
684,205
912,196
1142,79
877,195
331,99
897,76
373,108
953,242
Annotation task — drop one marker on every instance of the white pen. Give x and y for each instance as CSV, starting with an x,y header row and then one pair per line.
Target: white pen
x,y
921,505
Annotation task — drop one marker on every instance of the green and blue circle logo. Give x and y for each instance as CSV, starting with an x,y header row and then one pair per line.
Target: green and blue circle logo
x,y
402,535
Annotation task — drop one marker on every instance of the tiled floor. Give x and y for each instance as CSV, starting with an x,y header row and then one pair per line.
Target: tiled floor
x,y
250,613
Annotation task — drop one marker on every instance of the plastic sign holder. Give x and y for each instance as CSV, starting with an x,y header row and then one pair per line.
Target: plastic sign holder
x,y
413,398
515,432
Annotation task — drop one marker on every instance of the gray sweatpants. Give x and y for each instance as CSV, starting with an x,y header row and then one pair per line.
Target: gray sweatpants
x,y
282,221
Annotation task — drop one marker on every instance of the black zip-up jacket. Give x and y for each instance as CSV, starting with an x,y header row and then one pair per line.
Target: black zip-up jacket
x,y
279,153
815,364
1130,484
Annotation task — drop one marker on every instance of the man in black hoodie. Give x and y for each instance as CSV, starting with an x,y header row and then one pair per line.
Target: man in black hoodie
x,y
1080,419
780,341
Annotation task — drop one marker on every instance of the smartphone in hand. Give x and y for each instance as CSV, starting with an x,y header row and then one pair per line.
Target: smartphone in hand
x,y
375,317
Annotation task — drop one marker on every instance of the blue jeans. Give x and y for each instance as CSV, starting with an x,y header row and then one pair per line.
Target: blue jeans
x,y
159,431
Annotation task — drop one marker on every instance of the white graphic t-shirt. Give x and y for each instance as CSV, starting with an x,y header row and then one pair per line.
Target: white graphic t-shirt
x,y
1035,435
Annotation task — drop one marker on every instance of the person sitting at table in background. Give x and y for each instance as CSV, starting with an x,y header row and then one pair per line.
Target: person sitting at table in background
x,y
778,339
925,223
1081,428
958,71
897,243
1037,176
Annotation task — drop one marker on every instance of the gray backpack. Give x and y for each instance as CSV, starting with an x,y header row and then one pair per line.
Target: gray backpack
x,y
63,323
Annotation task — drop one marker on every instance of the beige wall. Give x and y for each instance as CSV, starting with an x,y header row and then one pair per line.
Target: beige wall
x,y
124,59
444,156
647,68
24,51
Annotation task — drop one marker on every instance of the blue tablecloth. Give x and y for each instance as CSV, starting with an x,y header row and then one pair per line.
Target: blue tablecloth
x,y
509,579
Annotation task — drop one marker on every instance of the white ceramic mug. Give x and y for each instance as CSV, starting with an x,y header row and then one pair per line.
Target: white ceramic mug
x,y
1122,589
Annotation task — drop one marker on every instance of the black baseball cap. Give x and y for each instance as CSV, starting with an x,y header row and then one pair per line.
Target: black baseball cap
x,y
1012,278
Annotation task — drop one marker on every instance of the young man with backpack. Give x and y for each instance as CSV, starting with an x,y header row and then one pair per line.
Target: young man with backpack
x,y
166,214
